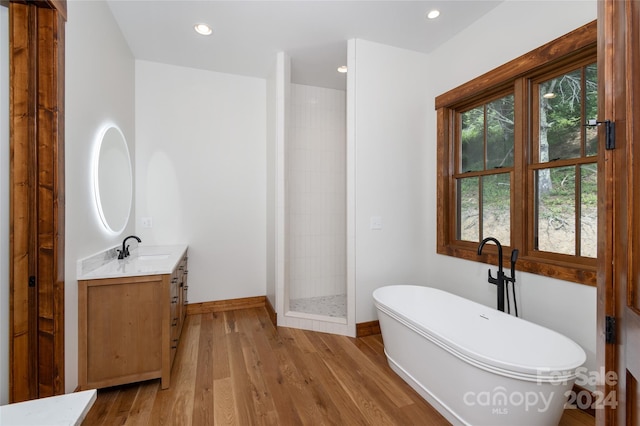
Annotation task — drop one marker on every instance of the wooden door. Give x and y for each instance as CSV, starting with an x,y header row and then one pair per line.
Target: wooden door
x,y
619,213
628,309
36,246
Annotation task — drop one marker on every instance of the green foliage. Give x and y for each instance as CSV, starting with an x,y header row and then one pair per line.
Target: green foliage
x,y
472,139
492,122
568,110
562,195
563,114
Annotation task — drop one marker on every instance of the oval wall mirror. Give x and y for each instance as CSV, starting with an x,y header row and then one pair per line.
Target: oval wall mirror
x,y
113,183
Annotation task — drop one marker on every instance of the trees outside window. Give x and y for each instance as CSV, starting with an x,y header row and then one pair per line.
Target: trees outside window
x,y
566,196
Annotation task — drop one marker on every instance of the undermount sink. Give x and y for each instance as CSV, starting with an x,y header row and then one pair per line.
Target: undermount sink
x,y
159,256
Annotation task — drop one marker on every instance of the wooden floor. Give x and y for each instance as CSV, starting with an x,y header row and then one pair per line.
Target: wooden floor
x,y
236,368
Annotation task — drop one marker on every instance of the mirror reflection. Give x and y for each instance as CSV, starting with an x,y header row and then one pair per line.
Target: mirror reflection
x,y
113,183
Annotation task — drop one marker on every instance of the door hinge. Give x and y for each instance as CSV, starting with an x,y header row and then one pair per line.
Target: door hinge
x,y
32,281
610,132
610,329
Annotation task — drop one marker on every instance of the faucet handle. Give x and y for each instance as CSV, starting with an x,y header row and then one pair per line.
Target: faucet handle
x,y
514,257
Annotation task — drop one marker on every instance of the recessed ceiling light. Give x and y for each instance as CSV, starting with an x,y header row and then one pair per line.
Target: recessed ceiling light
x,y
433,14
549,95
203,29
342,69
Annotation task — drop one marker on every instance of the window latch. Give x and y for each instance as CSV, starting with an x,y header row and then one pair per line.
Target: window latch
x,y
610,132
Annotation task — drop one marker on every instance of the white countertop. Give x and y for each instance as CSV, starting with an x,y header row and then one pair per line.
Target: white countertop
x,y
69,409
145,260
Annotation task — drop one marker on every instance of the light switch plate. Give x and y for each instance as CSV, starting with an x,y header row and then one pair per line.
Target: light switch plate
x,y
375,223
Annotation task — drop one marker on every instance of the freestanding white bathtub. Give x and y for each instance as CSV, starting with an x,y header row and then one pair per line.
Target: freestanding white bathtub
x,y
474,364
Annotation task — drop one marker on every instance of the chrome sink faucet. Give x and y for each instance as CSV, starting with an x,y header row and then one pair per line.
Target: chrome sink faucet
x,y
125,248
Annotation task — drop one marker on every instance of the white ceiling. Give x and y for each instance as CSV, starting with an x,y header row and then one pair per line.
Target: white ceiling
x,y
248,34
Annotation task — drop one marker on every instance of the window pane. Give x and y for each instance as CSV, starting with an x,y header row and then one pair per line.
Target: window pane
x,y
589,210
500,133
560,117
591,133
469,202
472,140
496,207
556,210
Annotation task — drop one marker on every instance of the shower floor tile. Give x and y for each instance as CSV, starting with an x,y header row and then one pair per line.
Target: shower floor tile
x,y
331,306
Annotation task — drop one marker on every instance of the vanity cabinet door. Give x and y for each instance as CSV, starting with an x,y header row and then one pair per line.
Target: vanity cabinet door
x,y
120,330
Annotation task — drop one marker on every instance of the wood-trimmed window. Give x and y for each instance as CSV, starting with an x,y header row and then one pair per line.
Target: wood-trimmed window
x,y
516,161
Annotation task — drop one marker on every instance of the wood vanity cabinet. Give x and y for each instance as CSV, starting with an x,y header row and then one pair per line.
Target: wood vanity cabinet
x,y
129,328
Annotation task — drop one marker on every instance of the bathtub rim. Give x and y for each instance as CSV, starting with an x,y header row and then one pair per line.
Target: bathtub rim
x,y
521,372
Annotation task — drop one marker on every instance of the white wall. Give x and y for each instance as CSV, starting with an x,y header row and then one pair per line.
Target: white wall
x,y
4,205
201,174
99,89
391,102
508,31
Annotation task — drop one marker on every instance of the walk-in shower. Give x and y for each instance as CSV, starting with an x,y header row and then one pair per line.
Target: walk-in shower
x,y
312,201
316,201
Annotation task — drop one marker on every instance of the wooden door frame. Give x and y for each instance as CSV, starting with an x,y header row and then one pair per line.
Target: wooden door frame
x,y
36,237
618,224
605,353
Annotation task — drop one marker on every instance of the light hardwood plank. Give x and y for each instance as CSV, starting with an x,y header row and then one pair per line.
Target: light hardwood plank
x,y
374,403
141,409
273,379
240,382
204,388
173,406
122,405
315,397
224,411
340,399
220,348
370,369
99,413
184,384
295,383
262,401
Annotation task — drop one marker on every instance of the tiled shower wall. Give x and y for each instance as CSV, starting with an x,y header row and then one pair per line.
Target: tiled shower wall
x,y
316,192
